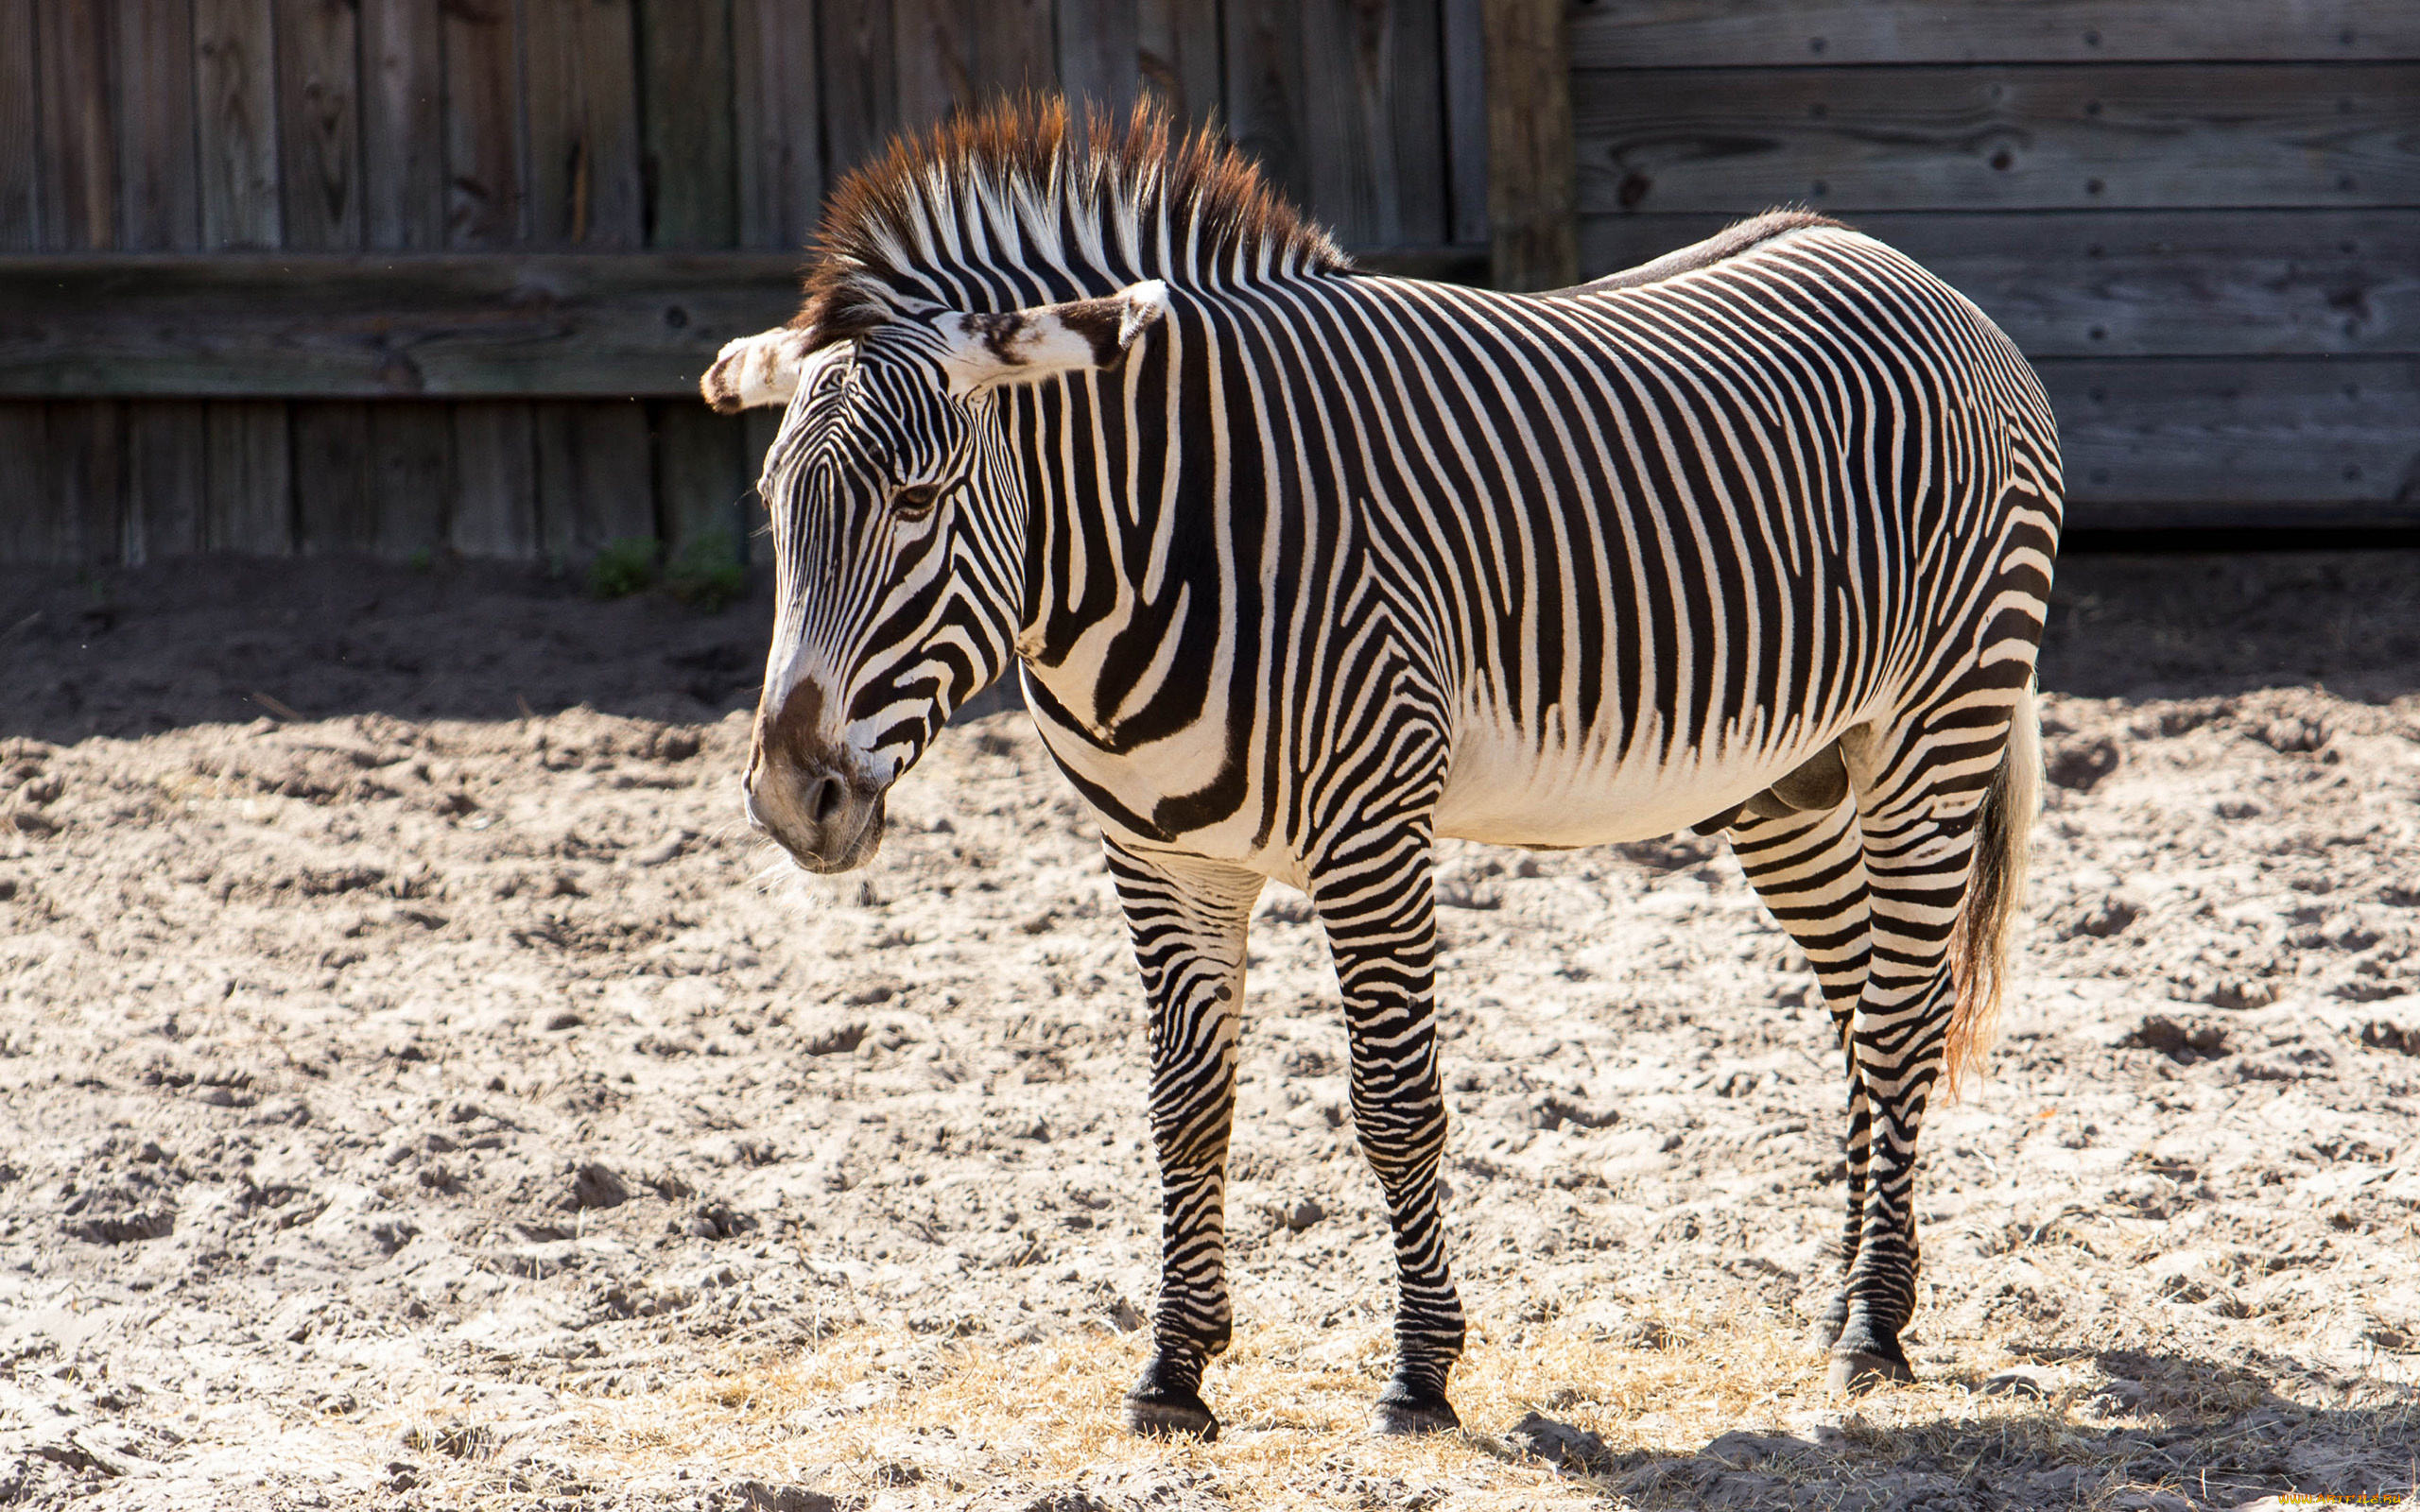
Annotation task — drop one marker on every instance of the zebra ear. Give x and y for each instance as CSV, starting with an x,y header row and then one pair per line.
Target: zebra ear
x,y
761,369
1081,335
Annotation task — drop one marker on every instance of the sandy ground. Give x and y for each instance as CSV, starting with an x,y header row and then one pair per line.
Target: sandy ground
x,y
417,1089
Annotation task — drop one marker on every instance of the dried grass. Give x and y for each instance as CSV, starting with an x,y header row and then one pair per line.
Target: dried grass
x,y
868,1412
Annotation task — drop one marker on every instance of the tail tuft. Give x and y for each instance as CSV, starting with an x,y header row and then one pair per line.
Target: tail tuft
x,y
1979,946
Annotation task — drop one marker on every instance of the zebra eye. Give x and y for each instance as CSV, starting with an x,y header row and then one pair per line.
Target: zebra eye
x,y
916,500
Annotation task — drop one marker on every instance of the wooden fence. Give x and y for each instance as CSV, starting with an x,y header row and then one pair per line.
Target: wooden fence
x,y
2201,218
406,276
419,275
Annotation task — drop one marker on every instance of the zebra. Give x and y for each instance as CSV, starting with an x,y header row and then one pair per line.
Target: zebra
x,y
1304,569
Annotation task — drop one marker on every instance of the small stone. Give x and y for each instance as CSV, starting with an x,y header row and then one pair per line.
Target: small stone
x,y
2023,1384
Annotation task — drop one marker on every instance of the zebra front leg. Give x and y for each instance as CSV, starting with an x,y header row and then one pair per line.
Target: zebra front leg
x,y
1188,918
1376,899
1809,870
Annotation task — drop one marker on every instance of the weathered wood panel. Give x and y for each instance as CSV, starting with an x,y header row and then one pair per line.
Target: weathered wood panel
x,y
1529,145
86,443
1462,28
860,80
703,478
1099,48
235,105
2047,138
80,178
334,507
20,137
24,474
403,132
779,104
1767,33
2138,283
583,94
692,169
158,188
1178,48
2342,435
369,326
318,121
249,484
166,445
1266,91
494,511
1380,179
411,475
594,475
486,166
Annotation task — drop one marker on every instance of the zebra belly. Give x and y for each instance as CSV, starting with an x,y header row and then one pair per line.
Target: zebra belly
x,y
1509,787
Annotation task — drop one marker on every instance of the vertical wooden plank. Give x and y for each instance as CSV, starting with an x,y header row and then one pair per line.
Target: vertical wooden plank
x,y
159,209
701,477
1378,167
319,152
495,503
334,507
1099,50
20,136
781,160
159,193
237,116
860,80
403,133
87,447
1530,154
1465,43
1178,46
319,122
80,182
166,458
1264,55
684,58
1013,49
247,500
410,461
411,475
936,60
493,512
24,477
583,125
487,199
595,481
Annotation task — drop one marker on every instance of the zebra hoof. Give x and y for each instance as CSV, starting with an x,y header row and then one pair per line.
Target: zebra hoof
x,y
1159,1412
1403,1412
1856,1371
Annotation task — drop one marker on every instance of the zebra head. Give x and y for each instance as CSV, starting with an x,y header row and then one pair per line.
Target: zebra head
x,y
899,524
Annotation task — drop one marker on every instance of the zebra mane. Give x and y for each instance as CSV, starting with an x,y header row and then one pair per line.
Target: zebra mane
x,y
1018,205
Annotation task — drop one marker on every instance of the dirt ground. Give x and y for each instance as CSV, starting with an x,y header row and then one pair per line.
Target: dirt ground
x,y
418,1090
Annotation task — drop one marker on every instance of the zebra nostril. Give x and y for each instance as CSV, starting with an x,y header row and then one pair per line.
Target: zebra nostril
x,y
824,799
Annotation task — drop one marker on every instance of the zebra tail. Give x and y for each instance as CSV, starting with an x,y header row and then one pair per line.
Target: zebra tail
x,y
1979,947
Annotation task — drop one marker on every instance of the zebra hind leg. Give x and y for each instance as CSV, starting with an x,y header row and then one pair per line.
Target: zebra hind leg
x,y
1188,919
1808,869
1376,898
1944,806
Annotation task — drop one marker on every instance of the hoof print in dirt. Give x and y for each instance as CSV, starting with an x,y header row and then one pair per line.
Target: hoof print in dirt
x,y
2178,1041
1572,1451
